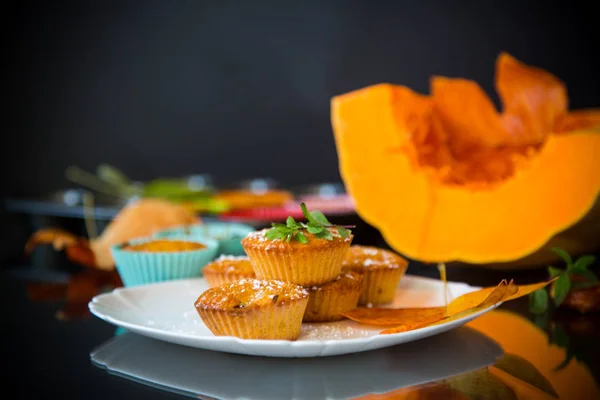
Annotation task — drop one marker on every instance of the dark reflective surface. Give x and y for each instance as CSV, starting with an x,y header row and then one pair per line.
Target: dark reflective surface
x,y
504,354
193,371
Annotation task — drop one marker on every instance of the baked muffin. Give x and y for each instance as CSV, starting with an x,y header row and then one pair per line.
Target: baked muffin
x,y
163,246
254,309
313,262
327,301
382,270
149,260
227,269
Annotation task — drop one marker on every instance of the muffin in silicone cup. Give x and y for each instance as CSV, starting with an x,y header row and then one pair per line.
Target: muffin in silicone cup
x,y
307,264
382,270
150,260
327,301
228,234
254,309
227,269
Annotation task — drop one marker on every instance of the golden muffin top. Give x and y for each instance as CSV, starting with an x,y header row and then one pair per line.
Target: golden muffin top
x,y
367,257
230,265
249,294
345,281
164,246
257,239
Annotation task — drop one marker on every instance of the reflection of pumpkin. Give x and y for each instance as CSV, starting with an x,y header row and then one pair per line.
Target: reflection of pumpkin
x,y
447,177
572,382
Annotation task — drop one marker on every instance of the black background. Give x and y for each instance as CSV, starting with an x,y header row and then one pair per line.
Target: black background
x,y
242,89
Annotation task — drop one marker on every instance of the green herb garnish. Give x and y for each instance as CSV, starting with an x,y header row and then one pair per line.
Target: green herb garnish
x,y
317,224
538,300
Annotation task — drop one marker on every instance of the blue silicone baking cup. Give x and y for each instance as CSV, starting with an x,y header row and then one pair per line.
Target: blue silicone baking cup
x,y
142,267
228,234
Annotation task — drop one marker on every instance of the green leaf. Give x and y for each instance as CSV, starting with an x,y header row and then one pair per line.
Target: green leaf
x,y
312,228
583,285
274,234
560,337
583,263
590,279
319,217
561,288
343,231
291,223
324,234
280,227
542,321
554,272
112,175
538,301
301,238
307,215
584,273
564,255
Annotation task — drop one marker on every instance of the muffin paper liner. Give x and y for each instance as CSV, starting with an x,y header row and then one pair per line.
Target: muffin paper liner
x,y
279,322
306,268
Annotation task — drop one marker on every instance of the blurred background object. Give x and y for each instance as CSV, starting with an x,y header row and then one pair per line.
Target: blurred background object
x,y
185,99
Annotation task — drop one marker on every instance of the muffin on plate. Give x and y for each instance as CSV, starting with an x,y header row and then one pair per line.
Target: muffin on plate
x,y
311,262
149,260
254,309
227,269
327,301
382,270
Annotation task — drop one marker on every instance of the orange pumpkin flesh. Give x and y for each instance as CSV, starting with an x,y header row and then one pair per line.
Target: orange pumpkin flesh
x,y
448,178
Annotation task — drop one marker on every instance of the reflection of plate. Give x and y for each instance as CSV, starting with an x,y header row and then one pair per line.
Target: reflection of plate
x,y
225,376
165,311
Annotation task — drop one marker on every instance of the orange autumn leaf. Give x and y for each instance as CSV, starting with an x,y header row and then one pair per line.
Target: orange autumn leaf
x,y
410,326
406,319
465,306
524,290
500,293
482,298
468,305
394,316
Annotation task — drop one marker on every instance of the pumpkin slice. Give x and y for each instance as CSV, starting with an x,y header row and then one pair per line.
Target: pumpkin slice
x,y
532,98
478,190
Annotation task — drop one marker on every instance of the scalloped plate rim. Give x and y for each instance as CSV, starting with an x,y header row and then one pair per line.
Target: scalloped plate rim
x,y
261,347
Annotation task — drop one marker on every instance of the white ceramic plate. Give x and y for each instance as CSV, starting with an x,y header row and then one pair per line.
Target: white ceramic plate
x,y
165,311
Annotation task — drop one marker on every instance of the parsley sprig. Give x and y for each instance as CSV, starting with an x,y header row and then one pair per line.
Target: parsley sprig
x,y
317,224
538,300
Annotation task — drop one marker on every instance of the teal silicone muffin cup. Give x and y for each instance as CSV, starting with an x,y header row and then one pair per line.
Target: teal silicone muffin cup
x,y
142,267
228,234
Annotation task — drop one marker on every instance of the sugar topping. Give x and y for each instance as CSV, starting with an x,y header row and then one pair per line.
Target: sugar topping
x,y
250,293
231,265
259,238
344,281
359,257
334,331
258,235
228,257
